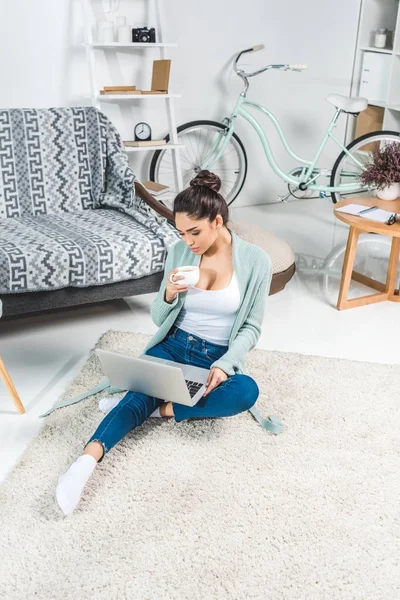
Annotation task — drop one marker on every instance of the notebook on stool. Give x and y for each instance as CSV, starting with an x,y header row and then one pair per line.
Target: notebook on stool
x,y
165,379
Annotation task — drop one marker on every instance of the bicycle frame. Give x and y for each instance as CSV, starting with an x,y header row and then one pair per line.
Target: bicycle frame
x,y
309,169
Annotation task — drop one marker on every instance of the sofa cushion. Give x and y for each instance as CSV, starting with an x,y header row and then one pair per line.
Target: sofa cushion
x,y
60,160
81,249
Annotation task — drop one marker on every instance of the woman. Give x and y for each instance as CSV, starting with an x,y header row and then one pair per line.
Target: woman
x,y
212,325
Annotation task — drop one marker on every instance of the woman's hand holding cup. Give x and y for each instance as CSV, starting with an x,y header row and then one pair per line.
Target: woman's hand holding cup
x,y
173,289
179,280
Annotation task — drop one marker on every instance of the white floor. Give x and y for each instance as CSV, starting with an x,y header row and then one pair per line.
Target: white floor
x,y
44,353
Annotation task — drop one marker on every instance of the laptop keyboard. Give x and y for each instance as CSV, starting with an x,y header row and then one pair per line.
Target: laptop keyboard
x,y
193,387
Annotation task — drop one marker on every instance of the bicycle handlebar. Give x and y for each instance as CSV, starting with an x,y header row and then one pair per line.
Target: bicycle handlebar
x,y
298,67
285,67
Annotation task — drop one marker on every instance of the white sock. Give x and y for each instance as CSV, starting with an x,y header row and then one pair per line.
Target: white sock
x,y
70,485
108,403
156,413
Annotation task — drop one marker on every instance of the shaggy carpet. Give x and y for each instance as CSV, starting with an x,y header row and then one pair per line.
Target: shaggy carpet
x,y
218,508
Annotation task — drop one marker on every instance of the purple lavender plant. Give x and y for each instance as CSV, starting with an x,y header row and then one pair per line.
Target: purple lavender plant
x,y
384,168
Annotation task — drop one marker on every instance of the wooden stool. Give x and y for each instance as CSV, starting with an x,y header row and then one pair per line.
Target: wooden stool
x,y
360,225
4,375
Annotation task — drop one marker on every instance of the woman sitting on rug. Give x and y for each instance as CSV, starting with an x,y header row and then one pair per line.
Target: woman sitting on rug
x,y
213,327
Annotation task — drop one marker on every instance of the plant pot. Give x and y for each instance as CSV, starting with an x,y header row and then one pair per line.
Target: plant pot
x,y
390,192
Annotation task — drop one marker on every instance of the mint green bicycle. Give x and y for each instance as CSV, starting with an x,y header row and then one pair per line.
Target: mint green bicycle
x,y
216,146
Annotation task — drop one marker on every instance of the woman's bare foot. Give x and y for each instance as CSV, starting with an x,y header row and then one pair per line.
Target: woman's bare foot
x,y
166,409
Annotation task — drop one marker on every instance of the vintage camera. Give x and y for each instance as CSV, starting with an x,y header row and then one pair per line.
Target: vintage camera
x,y
144,35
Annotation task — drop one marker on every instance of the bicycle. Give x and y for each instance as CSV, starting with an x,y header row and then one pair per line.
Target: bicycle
x,y
215,146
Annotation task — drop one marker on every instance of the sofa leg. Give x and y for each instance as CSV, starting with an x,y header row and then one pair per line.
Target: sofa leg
x,y
4,375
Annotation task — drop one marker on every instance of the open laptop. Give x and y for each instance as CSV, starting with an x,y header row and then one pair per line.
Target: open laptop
x,y
165,379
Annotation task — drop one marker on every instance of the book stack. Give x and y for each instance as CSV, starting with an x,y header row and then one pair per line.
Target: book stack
x,y
155,189
119,89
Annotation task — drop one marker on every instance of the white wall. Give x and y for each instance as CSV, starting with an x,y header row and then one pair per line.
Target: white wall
x,y
42,64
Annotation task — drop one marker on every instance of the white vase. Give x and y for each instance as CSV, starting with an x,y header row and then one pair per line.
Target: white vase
x,y
100,31
124,31
390,192
108,33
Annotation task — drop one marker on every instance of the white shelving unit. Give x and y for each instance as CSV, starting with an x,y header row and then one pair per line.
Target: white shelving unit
x,y
132,45
93,46
376,14
129,149
119,97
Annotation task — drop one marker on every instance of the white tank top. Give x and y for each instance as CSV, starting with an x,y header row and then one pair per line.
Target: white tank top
x,y
210,313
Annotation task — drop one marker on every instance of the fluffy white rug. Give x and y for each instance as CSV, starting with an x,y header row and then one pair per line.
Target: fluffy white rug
x,y
218,509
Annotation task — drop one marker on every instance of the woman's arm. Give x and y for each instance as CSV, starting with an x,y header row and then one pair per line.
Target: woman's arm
x,y
249,333
160,309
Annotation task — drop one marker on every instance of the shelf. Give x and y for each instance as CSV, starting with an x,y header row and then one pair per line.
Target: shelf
x,y
132,45
373,49
113,97
159,147
384,105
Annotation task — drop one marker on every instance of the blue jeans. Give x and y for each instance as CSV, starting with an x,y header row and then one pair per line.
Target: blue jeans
x,y
236,394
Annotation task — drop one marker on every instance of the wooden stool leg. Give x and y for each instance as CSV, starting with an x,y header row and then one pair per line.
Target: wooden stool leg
x,y
4,375
347,270
393,266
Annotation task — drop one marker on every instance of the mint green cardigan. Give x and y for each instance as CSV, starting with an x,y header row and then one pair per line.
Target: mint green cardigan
x,y
253,270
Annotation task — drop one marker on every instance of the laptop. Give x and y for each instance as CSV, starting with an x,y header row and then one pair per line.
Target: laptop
x,y
165,379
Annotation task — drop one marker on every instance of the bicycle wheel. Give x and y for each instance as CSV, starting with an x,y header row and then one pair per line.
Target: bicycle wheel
x,y
199,138
347,171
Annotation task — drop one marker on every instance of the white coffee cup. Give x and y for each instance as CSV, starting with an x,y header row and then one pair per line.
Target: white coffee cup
x,y
191,275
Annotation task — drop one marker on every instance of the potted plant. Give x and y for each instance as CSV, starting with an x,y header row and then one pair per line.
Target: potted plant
x,y
383,173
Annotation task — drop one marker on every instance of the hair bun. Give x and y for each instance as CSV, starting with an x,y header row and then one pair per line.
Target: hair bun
x,y
208,179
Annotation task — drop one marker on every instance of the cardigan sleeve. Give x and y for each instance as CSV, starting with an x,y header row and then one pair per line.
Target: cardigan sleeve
x,y
249,333
160,309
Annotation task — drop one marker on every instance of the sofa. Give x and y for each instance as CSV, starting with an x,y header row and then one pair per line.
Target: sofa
x,y
76,225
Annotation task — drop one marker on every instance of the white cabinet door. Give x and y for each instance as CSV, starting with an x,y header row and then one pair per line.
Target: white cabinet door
x,y
375,75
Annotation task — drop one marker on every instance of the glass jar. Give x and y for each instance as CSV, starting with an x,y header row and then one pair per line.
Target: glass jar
x,y
380,38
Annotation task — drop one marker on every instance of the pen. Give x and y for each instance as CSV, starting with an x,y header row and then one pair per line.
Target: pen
x,y
365,210
392,219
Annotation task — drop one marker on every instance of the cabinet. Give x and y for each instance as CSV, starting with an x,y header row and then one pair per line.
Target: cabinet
x,y
376,72
375,75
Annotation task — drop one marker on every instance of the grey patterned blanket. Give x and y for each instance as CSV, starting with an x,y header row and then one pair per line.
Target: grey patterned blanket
x,y
69,215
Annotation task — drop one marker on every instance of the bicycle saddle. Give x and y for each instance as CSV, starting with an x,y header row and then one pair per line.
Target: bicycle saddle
x,y
348,105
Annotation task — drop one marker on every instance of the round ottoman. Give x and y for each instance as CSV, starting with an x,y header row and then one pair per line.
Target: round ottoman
x,y
281,253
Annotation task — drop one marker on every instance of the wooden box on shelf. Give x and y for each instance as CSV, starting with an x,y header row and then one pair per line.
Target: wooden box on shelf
x,y
160,78
368,121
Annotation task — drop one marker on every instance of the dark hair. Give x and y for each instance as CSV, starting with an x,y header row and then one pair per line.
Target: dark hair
x,y
201,200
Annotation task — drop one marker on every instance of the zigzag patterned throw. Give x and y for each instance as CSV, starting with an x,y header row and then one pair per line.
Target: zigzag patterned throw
x,y
68,212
